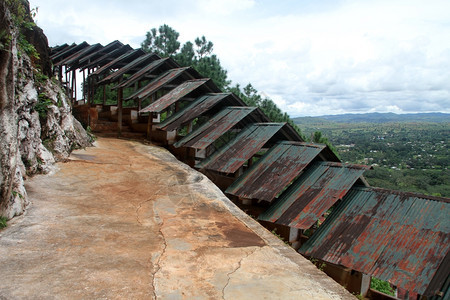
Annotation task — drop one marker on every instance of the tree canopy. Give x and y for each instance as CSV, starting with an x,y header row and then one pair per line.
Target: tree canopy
x,y
164,42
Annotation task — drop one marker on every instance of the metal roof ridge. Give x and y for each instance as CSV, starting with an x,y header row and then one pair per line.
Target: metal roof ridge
x,y
403,193
146,90
345,165
305,144
136,76
185,89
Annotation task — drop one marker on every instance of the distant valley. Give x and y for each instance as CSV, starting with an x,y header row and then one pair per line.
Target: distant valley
x,y
408,152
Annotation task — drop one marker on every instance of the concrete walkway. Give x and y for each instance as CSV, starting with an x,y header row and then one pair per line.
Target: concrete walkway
x,y
123,220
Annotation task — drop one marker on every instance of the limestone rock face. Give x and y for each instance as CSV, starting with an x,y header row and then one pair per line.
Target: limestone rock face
x,y
61,132
36,123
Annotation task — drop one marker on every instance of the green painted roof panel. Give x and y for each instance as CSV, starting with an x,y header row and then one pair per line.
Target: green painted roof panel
x,y
174,95
215,127
312,194
399,237
247,143
275,170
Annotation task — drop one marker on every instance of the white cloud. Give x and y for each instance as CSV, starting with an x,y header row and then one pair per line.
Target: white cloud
x,y
310,57
223,7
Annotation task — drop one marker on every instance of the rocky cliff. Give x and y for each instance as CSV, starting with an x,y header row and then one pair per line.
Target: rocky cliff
x,y
36,123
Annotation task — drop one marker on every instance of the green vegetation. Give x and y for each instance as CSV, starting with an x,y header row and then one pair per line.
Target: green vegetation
x,y
23,19
381,286
3,223
319,264
407,156
92,137
42,105
274,232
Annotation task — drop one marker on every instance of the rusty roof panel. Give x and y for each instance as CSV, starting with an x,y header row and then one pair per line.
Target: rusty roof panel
x,y
156,83
198,107
108,57
174,95
100,52
121,61
215,127
141,73
235,153
72,61
313,193
59,48
106,49
57,57
275,170
137,63
403,238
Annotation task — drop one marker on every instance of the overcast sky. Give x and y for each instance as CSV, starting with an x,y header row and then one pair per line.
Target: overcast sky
x,y
311,57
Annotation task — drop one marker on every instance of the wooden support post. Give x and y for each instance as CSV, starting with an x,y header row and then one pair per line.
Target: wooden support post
x,y
246,201
90,89
136,86
74,85
250,162
189,127
84,87
149,126
294,237
60,73
365,284
238,173
119,110
67,83
104,94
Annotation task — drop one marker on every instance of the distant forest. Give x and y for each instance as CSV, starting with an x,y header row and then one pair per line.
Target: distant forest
x,y
408,154
377,118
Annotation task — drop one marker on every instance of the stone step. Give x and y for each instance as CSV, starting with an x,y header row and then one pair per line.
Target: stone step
x,y
104,115
110,126
125,134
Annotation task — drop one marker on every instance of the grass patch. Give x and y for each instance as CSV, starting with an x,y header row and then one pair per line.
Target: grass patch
x,y
3,223
381,286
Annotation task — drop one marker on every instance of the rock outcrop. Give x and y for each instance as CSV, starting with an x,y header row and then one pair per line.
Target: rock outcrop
x,y
36,123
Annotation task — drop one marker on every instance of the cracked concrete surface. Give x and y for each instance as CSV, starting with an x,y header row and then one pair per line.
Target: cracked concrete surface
x,y
126,220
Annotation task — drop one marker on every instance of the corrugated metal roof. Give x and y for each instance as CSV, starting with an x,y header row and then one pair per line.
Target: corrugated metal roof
x,y
275,170
199,107
109,56
215,127
121,61
100,52
141,73
312,194
235,153
59,48
174,95
157,83
137,63
402,238
57,57
72,60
